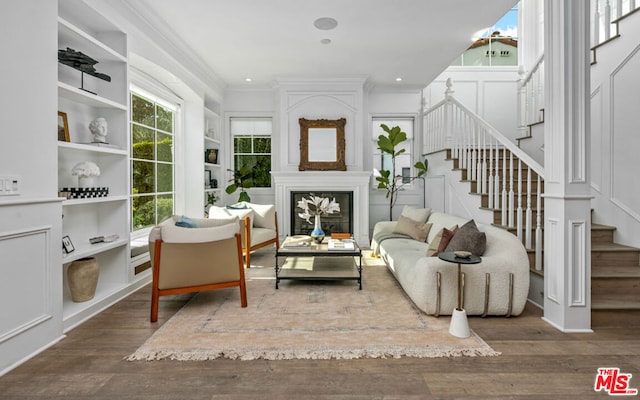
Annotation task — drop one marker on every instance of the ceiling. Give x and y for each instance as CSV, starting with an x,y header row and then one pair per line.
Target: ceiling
x,y
378,39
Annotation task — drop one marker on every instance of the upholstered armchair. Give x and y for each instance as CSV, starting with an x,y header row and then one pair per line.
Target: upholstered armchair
x,y
258,225
192,255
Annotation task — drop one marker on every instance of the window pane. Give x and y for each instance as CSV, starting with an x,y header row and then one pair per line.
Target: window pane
x,y
165,177
165,147
142,146
242,144
165,207
262,145
262,172
143,180
165,119
142,111
143,211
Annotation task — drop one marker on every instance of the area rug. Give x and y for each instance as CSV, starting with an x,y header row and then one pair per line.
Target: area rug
x,y
307,320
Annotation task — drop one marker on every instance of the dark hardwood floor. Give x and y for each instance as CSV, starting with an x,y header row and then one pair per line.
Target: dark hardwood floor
x,y
537,362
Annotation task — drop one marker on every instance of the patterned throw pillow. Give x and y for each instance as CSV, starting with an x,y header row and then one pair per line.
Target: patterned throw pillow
x,y
414,229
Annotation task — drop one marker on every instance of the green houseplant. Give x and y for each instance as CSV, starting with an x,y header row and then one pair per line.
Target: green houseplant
x,y
242,179
394,183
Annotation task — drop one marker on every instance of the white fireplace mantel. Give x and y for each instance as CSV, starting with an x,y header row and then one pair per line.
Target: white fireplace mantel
x,y
357,181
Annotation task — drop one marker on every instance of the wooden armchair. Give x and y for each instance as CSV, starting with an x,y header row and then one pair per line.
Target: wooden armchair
x,y
208,256
258,225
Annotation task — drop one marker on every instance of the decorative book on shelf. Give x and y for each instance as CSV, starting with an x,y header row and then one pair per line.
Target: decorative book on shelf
x,y
83,193
341,244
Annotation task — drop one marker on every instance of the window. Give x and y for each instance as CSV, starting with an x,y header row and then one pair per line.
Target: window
x,y
252,147
404,161
500,39
152,159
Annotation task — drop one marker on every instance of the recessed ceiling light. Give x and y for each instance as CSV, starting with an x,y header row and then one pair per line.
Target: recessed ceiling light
x,y
325,41
248,79
325,23
398,79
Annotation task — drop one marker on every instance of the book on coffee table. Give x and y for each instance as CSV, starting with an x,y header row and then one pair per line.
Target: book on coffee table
x,y
341,244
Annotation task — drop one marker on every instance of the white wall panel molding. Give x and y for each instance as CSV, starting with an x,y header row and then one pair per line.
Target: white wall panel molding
x,y
553,257
578,271
597,139
30,273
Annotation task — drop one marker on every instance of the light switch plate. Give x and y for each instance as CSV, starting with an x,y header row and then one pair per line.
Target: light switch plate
x,y
9,185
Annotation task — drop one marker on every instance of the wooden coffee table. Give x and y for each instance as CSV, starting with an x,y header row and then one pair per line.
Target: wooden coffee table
x,y
317,262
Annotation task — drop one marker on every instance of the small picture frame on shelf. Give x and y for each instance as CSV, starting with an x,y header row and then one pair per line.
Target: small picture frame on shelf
x,y
211,156
67,245
207,179
63,127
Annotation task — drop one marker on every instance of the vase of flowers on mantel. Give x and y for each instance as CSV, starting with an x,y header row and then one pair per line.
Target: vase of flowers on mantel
x,y
317,206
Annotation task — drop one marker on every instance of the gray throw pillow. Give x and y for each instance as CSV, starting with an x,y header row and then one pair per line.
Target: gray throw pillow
x,y
468,238
416,230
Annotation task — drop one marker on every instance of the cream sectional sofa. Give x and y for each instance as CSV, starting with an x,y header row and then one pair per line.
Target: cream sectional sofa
x,y
499,285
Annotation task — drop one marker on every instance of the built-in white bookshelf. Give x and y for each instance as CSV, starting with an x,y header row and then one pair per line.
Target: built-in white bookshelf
x,y
83,98
213,165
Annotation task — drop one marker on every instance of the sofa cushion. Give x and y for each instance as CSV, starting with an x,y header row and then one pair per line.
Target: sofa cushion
x,y
468,238
412,228
441,240
416,214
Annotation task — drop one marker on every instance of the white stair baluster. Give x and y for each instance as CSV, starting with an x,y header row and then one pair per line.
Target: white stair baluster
x,y
519,209
504,187
538,260
527,224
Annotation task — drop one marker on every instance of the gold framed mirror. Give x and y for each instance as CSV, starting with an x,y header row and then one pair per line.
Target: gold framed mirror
x,y
322,144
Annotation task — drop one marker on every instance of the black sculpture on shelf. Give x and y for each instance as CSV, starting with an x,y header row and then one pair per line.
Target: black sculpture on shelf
x,y
81,62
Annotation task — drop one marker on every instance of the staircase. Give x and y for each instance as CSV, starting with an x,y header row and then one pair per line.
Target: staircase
x,y
615,268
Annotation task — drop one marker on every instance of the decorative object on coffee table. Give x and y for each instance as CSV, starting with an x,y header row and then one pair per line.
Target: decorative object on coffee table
x,y
82,276
317,206
459,326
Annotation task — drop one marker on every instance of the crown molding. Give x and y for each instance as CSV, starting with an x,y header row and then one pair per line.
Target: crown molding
x,y
158,31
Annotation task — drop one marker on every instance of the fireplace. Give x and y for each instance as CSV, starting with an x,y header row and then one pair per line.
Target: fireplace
x,y
318,182
340,222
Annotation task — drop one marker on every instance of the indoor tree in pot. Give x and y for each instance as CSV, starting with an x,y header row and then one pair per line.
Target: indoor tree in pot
x,y
393,184
242,179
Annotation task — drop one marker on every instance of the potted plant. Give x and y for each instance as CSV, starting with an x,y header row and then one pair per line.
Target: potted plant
x,y
393,184
242,179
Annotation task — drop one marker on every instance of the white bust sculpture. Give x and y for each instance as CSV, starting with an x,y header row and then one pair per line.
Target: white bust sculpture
x,y
98,128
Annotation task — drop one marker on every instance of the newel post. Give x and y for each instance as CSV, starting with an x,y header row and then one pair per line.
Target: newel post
x,y
448,115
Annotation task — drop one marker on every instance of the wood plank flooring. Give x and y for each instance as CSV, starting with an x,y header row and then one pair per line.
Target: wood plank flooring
x,y
537,362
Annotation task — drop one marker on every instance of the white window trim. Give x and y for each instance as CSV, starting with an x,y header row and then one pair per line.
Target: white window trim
x,y
229,149
145,85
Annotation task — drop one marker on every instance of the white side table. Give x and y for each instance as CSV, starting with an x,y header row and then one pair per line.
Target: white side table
x,y
459,325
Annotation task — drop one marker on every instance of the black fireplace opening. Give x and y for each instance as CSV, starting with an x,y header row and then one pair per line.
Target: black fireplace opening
x,y
339,222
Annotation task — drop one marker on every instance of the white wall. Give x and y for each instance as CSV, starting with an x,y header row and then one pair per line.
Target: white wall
x,y
30,238
615,143
489,92
393,102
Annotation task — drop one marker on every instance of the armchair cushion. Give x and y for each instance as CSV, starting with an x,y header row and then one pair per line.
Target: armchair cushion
x,y
264,215
207,230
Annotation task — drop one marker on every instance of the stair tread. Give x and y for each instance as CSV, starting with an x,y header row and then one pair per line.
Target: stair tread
x,y
613,247
618,305
602,227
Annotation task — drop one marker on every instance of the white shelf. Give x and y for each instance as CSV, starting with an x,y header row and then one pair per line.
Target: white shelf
x,y
87,250
212,165
79,40
82,96
84,29
207,190
93,148
94,200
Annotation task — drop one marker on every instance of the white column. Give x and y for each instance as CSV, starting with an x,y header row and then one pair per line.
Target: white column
x,y
567,224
